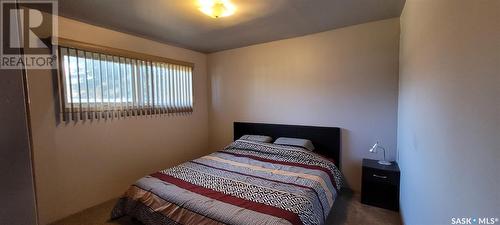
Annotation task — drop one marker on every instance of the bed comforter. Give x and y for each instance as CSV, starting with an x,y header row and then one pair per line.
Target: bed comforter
x,y
246,183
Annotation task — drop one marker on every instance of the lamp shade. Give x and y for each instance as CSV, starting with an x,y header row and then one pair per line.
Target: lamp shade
x,y
374,148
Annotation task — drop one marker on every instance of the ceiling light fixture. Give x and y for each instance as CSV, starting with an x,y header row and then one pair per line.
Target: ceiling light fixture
x,y
216,8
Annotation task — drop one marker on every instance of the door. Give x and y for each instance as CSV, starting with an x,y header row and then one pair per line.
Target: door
x,y
18,206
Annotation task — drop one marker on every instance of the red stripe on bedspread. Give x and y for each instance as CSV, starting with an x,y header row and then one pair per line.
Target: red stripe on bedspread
x,y
287,163
263,178
243,203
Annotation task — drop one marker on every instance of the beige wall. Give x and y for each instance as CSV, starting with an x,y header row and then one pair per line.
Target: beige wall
x,y
449,110
346,78
80,165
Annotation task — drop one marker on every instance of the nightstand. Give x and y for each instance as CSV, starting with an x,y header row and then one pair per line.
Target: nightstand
x,y
380,185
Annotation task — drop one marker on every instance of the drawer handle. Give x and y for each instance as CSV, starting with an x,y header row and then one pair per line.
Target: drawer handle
x,y
378,176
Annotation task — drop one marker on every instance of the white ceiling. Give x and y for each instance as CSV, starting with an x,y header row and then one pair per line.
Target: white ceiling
x,y
178,22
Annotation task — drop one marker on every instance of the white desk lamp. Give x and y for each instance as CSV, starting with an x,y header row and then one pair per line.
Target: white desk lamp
x,y
374,150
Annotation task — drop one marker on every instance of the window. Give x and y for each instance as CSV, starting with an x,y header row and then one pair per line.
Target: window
x,y
98,85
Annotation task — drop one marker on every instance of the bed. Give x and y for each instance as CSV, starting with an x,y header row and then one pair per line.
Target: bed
x,y
245,183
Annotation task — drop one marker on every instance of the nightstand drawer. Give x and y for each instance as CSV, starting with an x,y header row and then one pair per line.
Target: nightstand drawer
x,y
380,184
383,176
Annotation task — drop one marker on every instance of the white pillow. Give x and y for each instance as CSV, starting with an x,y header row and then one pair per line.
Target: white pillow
x,y
257,138
304,143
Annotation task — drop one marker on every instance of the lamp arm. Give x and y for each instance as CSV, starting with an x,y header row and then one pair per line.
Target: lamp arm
x,y
383,151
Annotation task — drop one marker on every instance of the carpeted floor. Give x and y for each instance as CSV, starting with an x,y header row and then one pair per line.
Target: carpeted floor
x,y
347,210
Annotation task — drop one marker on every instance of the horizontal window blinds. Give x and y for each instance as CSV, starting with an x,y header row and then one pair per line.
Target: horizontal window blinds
x,y
100,86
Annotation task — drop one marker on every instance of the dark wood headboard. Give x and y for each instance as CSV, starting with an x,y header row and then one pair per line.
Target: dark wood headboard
x,y
326,140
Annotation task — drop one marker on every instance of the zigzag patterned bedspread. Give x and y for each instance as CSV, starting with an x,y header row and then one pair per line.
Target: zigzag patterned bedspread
x,y
246,183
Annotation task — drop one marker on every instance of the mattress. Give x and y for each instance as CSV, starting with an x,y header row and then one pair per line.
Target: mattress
x,y
246,183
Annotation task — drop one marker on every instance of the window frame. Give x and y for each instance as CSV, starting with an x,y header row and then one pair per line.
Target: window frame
x,y
91,112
